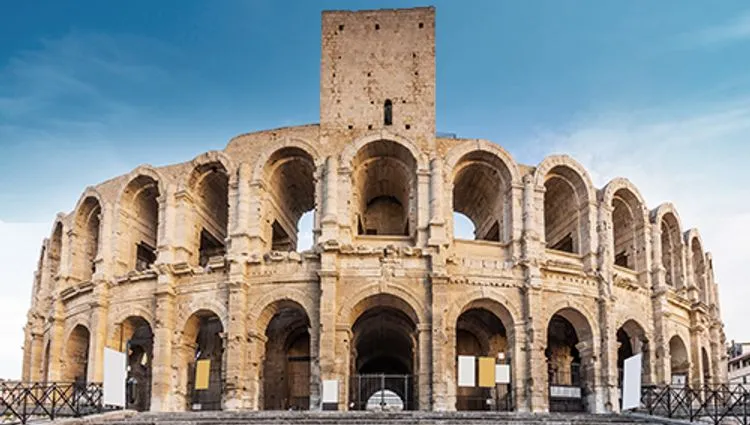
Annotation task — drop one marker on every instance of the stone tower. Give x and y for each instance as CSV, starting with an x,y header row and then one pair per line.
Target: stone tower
x,y
378,63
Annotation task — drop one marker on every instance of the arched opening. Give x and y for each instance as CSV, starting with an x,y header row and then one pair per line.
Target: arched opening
x,y
203,351
140,224
699,270
678,361
388,112
88,222
628,230
76,362
384,353
481,192
210,185
481,333
463,228
563,198
289,174
671,251
385,189
631,340
135,337
54,253
706,366
286,363
569,356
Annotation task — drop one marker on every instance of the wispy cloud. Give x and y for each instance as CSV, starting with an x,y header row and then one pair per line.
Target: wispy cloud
x,y
737,29
693,155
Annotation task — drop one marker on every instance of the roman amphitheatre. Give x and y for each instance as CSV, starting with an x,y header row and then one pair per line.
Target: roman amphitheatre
x,y
199,261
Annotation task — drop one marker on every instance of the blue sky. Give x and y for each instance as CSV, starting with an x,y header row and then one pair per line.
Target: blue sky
x,y
658,92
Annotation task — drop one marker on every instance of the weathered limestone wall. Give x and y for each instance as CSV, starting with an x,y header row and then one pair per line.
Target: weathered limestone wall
x,y
353,293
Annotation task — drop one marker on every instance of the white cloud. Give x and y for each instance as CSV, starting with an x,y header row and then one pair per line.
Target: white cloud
x,y
735,30
694,156
19,253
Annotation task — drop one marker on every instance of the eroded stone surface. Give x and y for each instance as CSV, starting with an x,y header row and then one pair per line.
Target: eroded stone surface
x,y
198,260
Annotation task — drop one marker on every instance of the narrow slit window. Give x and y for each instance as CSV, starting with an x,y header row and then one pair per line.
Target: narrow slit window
x,y
388,112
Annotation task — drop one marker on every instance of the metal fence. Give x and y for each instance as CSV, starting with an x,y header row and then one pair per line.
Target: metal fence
x,y
23,401
716,404
382,392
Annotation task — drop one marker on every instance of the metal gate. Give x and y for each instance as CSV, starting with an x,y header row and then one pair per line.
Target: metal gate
x,y
382,392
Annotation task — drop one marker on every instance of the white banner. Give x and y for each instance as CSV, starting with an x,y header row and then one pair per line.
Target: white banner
x,y
502,374
467,374
631,382
115,374
330,391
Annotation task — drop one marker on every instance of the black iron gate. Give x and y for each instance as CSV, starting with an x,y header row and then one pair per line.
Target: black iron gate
x,y
382,392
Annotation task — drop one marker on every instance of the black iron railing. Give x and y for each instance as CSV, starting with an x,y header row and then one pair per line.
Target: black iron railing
x,y
716,404
23,401
382,392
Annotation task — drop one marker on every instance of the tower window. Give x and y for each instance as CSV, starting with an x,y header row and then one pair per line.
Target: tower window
x,y
388,112
421,25
341,27
377,26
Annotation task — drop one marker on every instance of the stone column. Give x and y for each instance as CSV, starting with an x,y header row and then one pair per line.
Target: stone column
x,y
608,389
519,367
256,240
97,337
592,379
56,342
425,365
423,207
443,347
660,346
184,233
329,221
36,354
235,392
329,358
164,365
341,363
536,393
256,353
437,214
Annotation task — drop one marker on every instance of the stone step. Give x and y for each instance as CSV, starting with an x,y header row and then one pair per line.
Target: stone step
x,y
372,418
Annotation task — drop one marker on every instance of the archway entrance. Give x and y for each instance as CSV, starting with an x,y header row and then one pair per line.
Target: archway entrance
x,y
134,336
679,363
706,366
481,333
286,364
569,357
76,362
631,340
203,345
383,357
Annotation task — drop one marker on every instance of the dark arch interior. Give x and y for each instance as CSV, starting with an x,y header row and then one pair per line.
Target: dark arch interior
x,y
383,351
480,333
139,340
286,364
678,360
204,333
77,355
560,215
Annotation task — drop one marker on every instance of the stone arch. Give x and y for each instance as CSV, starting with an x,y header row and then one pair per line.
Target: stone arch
x,y
134,335
394,296
87,224
480,176
672,260
121,314
139,221
633,338
698,265
288,173
202,304
568,196
679,361
77,353
54,251
351,150
208,180
286,355
201,338
629,224
707,377
287,142
262,310
482,326
571,351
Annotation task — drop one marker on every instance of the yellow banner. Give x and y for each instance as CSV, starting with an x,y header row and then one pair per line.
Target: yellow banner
x,y
486,372
202,370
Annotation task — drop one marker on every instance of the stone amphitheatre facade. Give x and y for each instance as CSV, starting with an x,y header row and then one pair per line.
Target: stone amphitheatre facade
x,y
199,260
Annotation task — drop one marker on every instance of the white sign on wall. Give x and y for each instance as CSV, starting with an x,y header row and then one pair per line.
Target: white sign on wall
x,y
631,382
115,374
330,391
467,371
502,374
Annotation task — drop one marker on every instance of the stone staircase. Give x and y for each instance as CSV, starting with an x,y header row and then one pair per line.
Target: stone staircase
x,y
367,418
